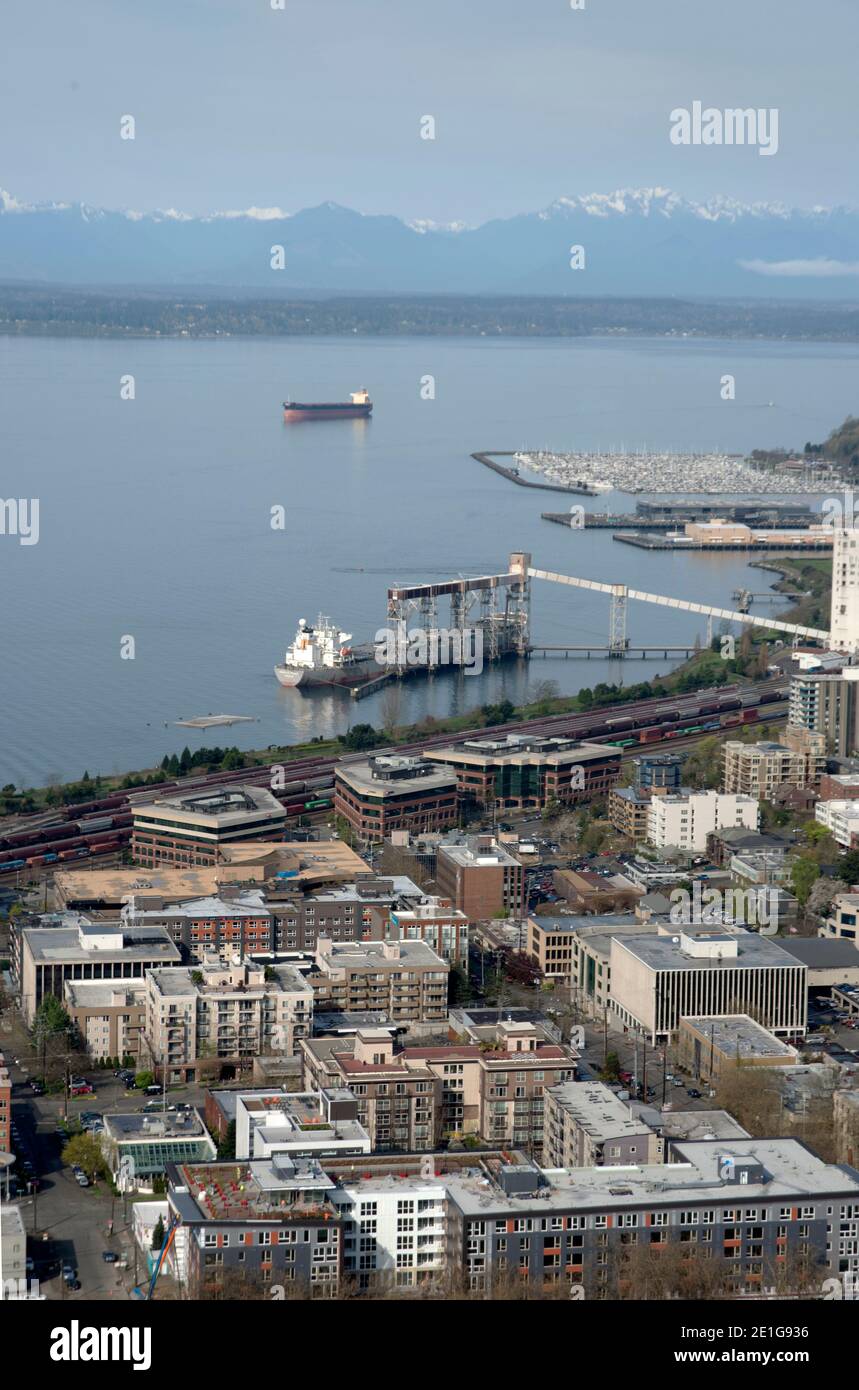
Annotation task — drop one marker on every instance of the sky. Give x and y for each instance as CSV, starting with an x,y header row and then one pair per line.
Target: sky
x,y
240,105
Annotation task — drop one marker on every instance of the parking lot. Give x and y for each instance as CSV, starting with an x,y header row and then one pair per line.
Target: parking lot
x,y
69,1224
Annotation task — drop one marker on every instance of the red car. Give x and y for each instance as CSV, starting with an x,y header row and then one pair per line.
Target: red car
x,y
82,1089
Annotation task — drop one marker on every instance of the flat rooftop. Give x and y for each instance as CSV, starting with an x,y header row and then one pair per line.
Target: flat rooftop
x,y
178,981
155,1126
664,953
360,777
477,752
818,952
54,945
214,807
739,1035
378,955
597,1110
104,994
791,1171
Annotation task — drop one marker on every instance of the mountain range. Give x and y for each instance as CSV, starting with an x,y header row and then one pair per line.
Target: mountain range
x,y
636,242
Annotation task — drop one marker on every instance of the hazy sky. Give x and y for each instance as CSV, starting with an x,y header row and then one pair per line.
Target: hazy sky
x,y
239,105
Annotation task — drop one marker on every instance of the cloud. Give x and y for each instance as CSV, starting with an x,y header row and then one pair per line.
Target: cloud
x,y
822,268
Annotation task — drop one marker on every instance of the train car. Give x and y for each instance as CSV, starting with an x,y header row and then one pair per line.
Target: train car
x,y
294,808
34,860
622,722
749,716
652,735
51,858
103,846
319,803
313,783
11,866
733,702
91,827
69,854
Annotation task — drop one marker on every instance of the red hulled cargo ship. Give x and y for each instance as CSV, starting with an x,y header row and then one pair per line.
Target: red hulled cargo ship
x,y
358,407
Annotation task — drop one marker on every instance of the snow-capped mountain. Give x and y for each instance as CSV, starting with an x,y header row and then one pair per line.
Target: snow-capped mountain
x,y
645,241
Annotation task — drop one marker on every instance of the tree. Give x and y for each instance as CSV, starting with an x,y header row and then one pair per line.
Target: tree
x,y
157,1234
227,1145
848,867
611,1071
84,1151
804,871
144,1079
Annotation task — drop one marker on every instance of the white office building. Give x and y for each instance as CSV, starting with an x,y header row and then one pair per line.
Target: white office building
x,y
684,821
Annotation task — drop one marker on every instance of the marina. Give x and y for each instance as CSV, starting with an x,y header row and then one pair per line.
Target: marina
x,y
643,471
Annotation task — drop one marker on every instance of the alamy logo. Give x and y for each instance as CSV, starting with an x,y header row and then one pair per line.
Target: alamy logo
x,y
743,907
846,1287
438,646
733,126
18,1290
20,517
76,1343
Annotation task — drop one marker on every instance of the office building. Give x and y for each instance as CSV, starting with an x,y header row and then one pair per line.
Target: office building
x,y
709,1046
89,951
841,819
390,792
526,772
657,980
480,877
189,828
827,703
139,1146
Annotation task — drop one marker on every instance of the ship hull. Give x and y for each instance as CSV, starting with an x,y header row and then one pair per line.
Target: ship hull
x,y
291,676
345,411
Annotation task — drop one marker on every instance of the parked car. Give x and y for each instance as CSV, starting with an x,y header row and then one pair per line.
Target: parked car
x,y
694,1093
37,1089
153,1091
81,1088
109,1257
81,1179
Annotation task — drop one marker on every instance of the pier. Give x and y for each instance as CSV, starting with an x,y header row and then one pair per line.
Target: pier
x,y
818,545
512,475
642,652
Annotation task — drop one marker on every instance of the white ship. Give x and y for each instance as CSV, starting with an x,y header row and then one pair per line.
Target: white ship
x,y
321,655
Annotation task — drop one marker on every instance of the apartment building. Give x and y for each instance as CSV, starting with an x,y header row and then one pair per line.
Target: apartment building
x,y
340,912
480,877
491,1085
434,921
524,771
189,828
842,919
661,773
762,1207
841,819
628,811
389,792
266,1222
693,971
215,1019
49,956
235,922
406,980
394,1227
586,1125
108,1017
757,769
684,822
839,786
399,1100
825,702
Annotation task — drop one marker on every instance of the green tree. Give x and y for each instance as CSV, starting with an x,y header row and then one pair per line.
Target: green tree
x,y
611,1071
848,866
227,1145
803,873
144,1079
158,1234
84,1151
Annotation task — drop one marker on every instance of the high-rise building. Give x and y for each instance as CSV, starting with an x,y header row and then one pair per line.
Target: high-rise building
x,y
844,613
825,703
